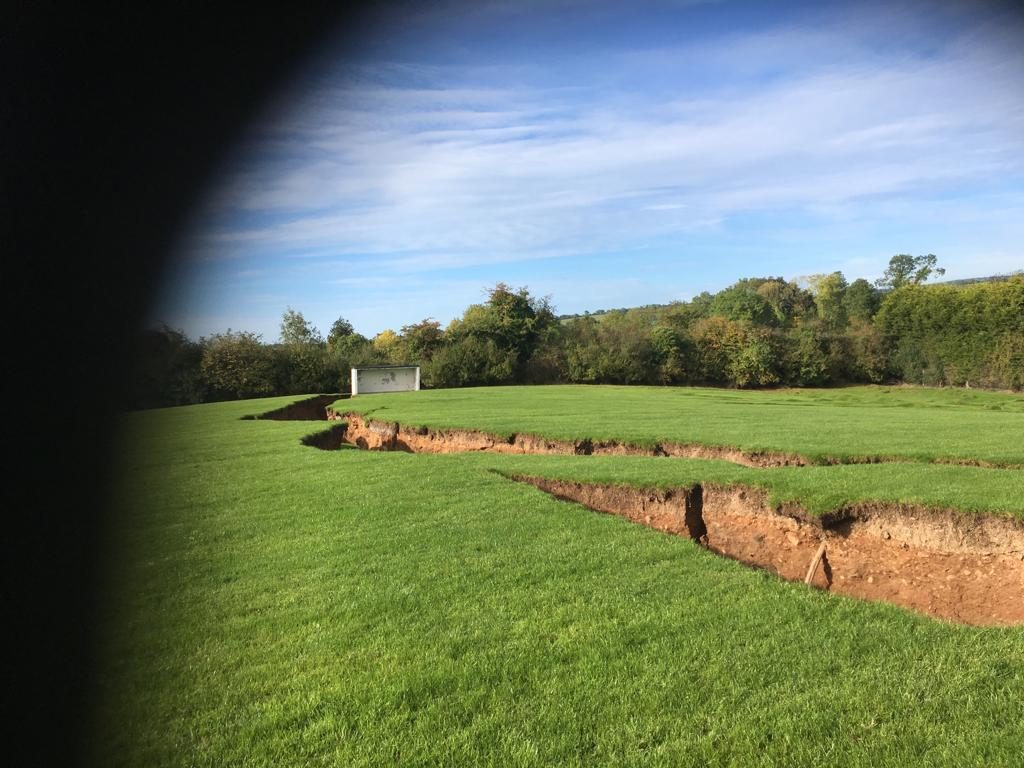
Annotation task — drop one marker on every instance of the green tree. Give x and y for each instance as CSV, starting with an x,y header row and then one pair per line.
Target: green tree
x,y
513,320
301,357
346,353
755,363
421,340
743,301
581,341
166,370
548,363
345,349
469,361
905,269
1005,363
828,291
717,340
618,349
303,369
947,334
340,329
861,300
867,358
809,358
789,302
295,329
388,345
674,354
237,364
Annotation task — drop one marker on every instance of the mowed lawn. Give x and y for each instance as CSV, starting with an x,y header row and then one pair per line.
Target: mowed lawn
x,y
919,424
274,604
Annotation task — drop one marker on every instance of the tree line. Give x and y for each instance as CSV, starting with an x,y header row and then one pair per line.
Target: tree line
x,y
758,332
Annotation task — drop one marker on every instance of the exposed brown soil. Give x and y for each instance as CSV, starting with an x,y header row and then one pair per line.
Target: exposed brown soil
x,y
313,409
947,564
390,436
377,435
950,565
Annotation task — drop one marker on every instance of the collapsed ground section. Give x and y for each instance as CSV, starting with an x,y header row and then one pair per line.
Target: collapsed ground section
x,y
389,436
311,409
951,565
956,567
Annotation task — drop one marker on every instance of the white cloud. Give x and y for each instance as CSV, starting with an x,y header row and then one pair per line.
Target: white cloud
x,y
491,165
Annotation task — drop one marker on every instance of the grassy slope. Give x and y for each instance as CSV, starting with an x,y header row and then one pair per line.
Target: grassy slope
x,y
817,489
279,605
920,424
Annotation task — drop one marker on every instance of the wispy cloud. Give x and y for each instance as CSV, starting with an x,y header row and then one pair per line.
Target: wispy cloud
x,y
423,166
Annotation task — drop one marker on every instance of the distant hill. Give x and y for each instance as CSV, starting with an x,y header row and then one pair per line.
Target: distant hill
x,y
962,281
989,279
600,312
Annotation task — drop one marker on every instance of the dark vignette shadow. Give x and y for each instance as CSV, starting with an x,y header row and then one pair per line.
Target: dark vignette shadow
x,y
112,122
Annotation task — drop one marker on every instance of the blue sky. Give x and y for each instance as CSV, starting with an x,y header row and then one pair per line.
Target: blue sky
x,y
612,154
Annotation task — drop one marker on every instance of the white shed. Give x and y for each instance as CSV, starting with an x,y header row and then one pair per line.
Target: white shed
x,y
385,378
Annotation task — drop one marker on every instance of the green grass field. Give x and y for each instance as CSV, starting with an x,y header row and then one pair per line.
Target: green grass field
x,y
274,604
915,424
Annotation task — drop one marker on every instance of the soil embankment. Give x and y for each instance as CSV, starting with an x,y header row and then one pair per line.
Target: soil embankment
x,y
313,409
947,564
951,565
373,434
390,436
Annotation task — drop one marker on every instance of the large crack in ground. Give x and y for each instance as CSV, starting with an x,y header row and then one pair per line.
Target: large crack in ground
x,y
374,434
311,409
952,565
